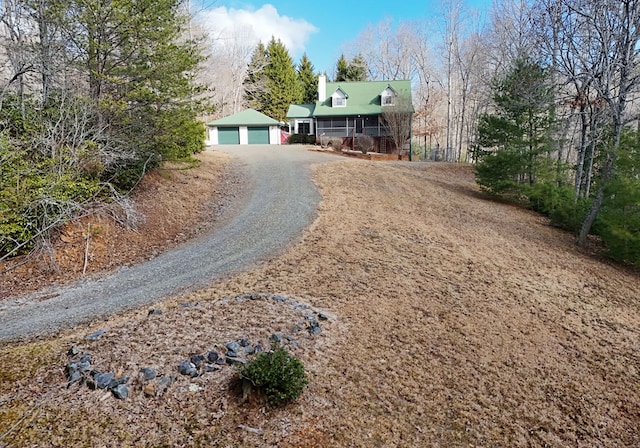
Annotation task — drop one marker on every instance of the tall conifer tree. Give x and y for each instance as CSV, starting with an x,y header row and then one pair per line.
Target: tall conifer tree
x,y
342,69
255,84
308,80
516,136
283,88
353,70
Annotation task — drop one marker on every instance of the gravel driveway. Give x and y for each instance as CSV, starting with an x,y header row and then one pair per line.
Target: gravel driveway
x,y
279,202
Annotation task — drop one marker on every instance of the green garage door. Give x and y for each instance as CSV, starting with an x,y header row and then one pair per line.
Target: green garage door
x,y
228,136
259,135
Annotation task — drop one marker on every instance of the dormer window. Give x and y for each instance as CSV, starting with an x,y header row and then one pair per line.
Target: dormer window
x,y
339,98
388,96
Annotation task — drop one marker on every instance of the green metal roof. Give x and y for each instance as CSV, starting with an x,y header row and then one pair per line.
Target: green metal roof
x,y
301,111
248,117
363,97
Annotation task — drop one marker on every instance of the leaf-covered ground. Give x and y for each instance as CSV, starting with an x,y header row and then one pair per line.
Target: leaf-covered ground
x,y
453,320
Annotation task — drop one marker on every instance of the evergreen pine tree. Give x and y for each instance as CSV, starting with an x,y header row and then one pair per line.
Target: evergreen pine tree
x,y
619,221
113,96
283,88
353,70
342,69
139,69
357,69
516,136
255,83
308,80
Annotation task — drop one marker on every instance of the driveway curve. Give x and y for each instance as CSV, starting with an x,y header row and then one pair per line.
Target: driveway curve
x,y
279,201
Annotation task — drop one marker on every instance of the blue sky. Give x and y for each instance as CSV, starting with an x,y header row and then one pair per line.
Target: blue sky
x,y
321,29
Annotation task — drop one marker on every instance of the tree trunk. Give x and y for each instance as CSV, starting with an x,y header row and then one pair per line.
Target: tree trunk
x,y
607,174
45,54
590,218
462,122
589,172
581,152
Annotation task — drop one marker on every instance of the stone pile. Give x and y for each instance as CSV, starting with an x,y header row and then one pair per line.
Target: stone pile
x,y
81,371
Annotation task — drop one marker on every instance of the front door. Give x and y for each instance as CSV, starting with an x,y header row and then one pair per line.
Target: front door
x,y
359,125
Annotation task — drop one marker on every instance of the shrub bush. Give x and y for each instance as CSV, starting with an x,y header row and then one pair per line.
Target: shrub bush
x,y
336,144
277,374
324,140
570,215
36,195
559,204
497,173
364,143
128,173
622,244
619,222
302,139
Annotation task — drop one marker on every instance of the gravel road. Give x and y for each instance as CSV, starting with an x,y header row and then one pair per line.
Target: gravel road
x,y
279,201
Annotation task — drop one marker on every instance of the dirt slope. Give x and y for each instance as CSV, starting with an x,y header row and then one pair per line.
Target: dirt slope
x,y
172,204
453,321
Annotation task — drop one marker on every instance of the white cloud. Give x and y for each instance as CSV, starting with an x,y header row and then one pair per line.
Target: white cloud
x,y
227,25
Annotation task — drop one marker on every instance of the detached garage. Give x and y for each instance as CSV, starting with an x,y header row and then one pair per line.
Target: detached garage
x,y
248,127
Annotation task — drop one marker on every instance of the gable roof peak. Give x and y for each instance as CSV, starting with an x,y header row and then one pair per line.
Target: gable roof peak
x,y
344,92
389,88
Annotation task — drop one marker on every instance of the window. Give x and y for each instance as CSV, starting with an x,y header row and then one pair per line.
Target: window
x,y
339,101
387,100
304,127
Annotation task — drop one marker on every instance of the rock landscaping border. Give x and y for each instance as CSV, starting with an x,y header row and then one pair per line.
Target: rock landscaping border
x,y
81,369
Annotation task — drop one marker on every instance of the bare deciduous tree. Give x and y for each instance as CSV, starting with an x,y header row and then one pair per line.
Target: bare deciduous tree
x,y
226,69
390,52
610,58
397,119
15,38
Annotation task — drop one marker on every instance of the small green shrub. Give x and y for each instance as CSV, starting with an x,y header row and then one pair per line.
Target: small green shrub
x,y
178,134
571,215
619,221
559,204
499,173
37,194
277,374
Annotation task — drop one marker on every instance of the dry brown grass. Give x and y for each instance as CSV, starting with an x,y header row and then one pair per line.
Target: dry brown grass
x,y
454,321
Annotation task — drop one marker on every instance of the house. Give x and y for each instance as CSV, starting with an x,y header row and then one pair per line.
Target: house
x,y
345,110
246,127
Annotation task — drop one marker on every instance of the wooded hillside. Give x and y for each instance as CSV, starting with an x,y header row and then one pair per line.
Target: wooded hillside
x,y
93,94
